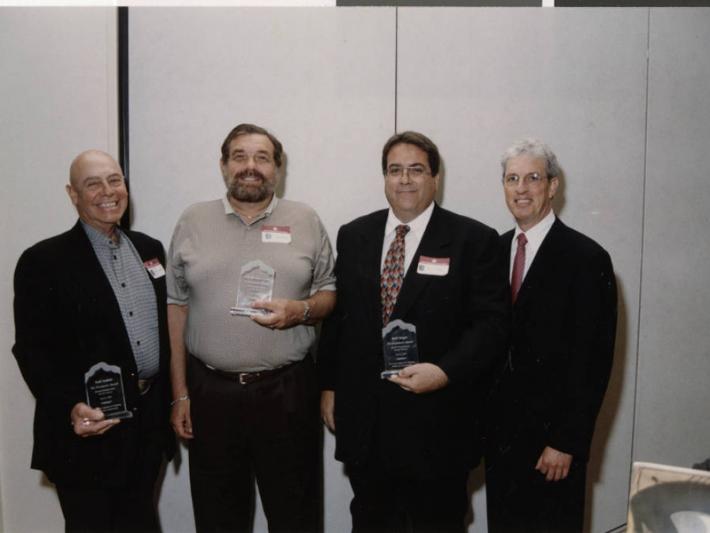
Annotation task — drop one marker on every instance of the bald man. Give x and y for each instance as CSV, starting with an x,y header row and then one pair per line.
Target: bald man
x,y
95,295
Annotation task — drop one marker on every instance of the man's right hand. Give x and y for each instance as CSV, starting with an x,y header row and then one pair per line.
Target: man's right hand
x,y
181,420
327,405
554,464
88,422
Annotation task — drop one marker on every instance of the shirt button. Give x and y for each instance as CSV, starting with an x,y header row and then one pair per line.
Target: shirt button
x,y
130,313
123,285
138,343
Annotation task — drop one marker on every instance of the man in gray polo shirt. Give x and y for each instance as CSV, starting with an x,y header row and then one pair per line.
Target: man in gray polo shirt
x,y
244,391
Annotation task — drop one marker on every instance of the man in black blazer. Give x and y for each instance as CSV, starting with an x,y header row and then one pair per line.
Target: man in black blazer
x,y
96,294
542,414
407,441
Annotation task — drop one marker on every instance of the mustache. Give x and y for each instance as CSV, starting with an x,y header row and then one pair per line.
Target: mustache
x,y
250,173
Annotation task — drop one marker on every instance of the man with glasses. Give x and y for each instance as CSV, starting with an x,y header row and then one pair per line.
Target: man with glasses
x,y
248,277
90,322
420,321
542,414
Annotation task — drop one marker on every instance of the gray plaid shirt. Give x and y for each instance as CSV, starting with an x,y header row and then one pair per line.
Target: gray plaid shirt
x,y
134,293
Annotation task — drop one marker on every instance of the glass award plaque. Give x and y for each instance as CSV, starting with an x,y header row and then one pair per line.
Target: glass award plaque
x,y
399,346
104,390
256,282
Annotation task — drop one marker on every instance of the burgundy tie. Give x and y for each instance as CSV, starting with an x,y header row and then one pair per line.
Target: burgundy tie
x,y
518,266
392,273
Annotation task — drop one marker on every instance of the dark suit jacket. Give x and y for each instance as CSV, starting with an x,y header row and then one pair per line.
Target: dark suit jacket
x,y
461,321
66,320
562,345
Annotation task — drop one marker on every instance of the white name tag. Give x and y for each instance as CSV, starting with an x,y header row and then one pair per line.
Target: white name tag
x,y
433,266
154,268
276,234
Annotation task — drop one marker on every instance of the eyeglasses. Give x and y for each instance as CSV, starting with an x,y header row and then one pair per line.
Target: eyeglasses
x,y
413,172
532,180
260,158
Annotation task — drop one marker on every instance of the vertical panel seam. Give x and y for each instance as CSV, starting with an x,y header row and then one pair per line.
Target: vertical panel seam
x,y
112,146
396,63
643,238
123,111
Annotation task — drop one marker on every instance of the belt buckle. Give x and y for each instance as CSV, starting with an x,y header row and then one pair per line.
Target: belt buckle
x,y
144,386
243,378
510,361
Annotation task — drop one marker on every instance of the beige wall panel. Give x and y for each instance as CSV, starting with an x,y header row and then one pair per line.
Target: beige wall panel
x,y
672,424
57,98
478,79
321,79
324,81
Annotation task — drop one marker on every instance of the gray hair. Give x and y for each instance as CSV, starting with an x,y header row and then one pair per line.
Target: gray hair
x,y
536,149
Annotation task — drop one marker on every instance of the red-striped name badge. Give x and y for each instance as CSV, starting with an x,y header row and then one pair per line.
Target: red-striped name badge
x,y
433,266
154,268
276,234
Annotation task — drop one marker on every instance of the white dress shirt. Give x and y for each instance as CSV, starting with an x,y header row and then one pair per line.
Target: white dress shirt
x,y
411,239
535,236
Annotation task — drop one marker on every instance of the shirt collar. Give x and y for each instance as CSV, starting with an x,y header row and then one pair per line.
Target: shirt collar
x,y
416,225
97,238
539,230
229,210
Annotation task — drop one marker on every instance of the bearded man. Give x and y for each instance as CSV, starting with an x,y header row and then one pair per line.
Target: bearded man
x,y
248,277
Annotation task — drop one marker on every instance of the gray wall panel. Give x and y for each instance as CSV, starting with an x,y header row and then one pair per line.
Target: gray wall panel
x,y
672,424
321,79
57,98
477,79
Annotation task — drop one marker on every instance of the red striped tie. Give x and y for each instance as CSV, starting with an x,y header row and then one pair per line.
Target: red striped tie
x,y
518,266
392,273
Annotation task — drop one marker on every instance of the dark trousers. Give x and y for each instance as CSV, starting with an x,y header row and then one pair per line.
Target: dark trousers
x,y
390,502
102,510
132,506
520,499
267,430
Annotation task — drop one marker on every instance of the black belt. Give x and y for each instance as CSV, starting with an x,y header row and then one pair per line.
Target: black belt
x,y
245,378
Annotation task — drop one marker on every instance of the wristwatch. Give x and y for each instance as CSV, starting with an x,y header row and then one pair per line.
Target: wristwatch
x,y
306,311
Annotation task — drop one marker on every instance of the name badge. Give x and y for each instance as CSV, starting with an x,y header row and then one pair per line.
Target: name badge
x,y
154,268
276,234
433,266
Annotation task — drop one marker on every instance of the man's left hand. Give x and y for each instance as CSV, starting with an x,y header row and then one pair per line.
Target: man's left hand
x,y
282,314
419,378
553,464
88,422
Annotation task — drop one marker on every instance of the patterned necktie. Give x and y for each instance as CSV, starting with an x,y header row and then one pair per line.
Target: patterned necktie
x,y
518,266
392,273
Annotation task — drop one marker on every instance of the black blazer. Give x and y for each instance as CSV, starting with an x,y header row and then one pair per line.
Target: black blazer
x,y
67,319
562,346
461,321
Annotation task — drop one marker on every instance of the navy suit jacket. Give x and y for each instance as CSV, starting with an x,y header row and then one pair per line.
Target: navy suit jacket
x,y
461,321
562,347
66,320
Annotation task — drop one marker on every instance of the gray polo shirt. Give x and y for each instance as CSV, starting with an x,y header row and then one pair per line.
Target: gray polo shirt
x,y
210,245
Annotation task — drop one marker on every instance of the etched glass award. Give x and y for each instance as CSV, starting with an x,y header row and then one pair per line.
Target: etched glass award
x,y
256,282
399,346
104,390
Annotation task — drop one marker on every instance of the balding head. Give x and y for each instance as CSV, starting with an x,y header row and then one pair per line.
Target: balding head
x,y
97,190
78,167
